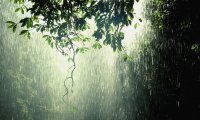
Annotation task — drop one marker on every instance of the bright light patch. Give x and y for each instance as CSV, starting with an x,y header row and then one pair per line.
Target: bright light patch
x,y
131,31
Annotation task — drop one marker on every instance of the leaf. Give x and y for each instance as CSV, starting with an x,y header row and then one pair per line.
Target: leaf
x,y
44,36
140,20
127,58
21,1
29,23
97,46
97,35
111,28
10,22
121,35
36,25
129,22
135,26
49,40
86,39
11,26
38,29
195,47
42,29
51,44
16,10
93,2
81,49
29,35
24,21
22,10
23,32
77,50
14,27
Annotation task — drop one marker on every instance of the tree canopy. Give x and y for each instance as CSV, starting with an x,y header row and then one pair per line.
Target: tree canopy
x,y
62,23
64,19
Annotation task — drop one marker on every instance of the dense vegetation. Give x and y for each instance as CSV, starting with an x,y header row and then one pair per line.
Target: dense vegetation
x,y
178,58
169,65
65,19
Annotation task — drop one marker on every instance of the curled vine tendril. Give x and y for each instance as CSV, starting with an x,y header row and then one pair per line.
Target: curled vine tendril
x,y
72,68
71,53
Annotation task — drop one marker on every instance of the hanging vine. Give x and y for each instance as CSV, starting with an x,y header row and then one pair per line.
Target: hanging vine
x,y
63,20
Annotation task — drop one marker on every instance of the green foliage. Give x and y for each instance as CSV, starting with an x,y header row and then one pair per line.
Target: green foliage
x,y
12,25
81,49
63,18
18,1
97,45
173,59
127,57
135,26
195,47
20,9
25,33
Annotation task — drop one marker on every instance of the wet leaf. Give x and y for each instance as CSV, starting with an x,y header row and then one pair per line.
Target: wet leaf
x,y
18,9
23,32
135,26
97,46
14,27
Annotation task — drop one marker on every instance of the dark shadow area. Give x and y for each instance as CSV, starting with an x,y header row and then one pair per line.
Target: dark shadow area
x,y
165,82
